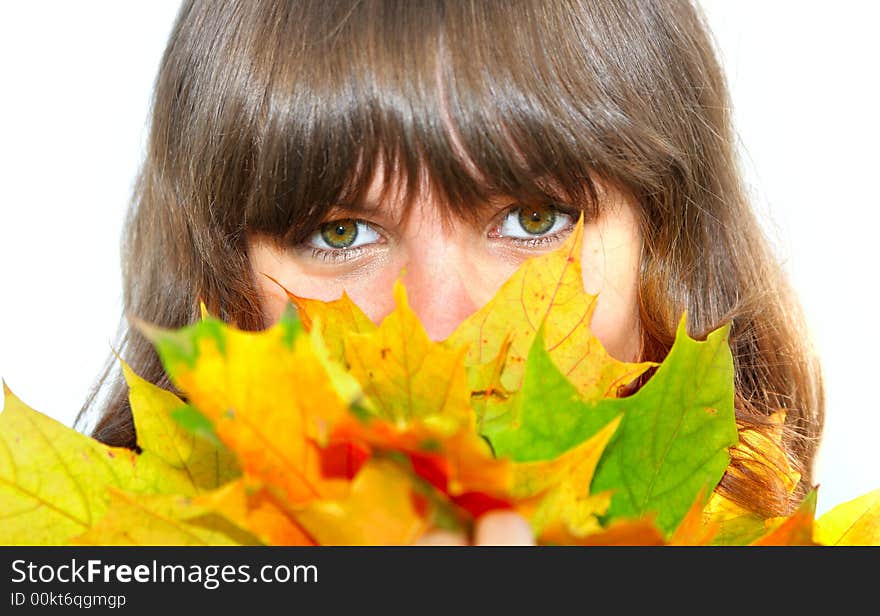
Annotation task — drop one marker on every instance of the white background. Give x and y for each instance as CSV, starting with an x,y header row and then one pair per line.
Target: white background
x,y
76,81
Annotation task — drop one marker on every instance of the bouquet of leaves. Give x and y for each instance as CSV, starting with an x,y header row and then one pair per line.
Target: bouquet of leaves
x,y
326,429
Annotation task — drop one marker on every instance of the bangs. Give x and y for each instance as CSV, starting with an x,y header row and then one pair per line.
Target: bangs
x,y
459,99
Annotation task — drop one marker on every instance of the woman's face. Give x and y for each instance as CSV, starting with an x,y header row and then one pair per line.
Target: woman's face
x,y
453,269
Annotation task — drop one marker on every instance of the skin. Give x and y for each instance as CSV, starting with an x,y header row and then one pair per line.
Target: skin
x,y
450,270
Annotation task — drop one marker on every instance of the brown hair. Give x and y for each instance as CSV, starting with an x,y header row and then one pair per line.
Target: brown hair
x,y
267,113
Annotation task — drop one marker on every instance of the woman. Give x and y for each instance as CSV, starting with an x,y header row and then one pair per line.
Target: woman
x,y
334,145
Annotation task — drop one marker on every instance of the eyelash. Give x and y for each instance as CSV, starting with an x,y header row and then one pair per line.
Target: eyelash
x,y
338,255
534,242
344,255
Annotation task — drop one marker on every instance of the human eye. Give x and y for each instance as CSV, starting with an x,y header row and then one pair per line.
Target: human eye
x,y
342,240
526,225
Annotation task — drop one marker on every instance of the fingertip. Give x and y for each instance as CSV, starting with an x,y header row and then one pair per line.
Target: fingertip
x,y
503,528
438,537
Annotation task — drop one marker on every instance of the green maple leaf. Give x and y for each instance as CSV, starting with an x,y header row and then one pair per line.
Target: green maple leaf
x,y
672,440
675,433
547,416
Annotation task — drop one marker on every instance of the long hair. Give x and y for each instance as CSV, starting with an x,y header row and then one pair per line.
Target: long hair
x,y
265,114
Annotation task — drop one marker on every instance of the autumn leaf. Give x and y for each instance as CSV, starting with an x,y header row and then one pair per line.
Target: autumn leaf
x,y
380,510
160,520
195,464
855,522
336,319
555,495
675,433
736,526
547,416
546,290
406,375
794,530
268,396
460,464
55,483
695,528
53,480
673,437
256,510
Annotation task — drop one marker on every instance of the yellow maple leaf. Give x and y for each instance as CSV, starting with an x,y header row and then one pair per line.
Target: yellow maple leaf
x,y
546,289
269,397
253,508
195,464
855,522
163,519
56,483
53,480
379,510
555,494
337,319
406,375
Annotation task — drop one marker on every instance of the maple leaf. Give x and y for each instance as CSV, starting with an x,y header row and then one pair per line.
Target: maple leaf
x,y
406,375
695,529
736,526
855,522
675,433
163,519
380,509
198,463
796,529
53,480
259,390
672,440
336,319
257,511
459,465
56,483
555,495
546,416
546,290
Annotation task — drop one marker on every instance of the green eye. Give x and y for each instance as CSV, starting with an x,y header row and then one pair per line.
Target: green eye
x,y
537,220
526,224
340,233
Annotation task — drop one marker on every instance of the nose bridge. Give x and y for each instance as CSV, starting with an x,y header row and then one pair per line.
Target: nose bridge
x,y
437,284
